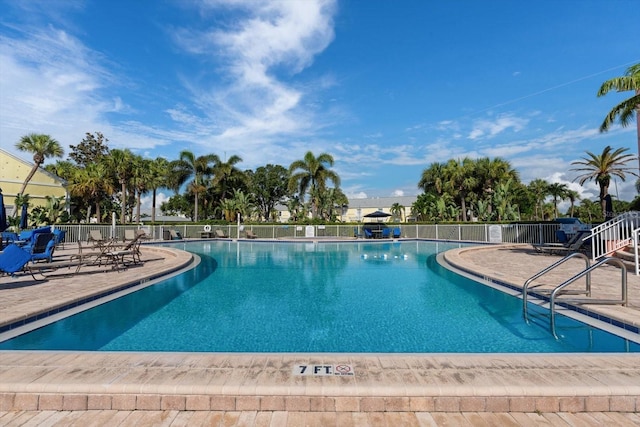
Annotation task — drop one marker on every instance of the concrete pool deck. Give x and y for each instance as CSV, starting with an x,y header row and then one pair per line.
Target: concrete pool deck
x,y
267,389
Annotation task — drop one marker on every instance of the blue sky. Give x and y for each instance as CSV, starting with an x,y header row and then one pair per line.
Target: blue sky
x,y
386,87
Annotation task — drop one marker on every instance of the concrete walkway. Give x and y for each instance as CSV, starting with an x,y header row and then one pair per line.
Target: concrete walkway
x,y
268,389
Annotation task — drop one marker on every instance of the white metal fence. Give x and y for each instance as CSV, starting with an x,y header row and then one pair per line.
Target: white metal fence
x,y
483,233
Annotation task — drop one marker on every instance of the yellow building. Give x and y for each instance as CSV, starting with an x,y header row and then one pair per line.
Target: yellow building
x,y
13,172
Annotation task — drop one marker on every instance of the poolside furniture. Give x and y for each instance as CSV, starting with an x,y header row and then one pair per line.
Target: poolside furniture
x,y
175,235
29,235
220,234
41,247
561,236
120,257
9,237
386,233
367,233
95,236
396,233
14,259
129,235
59,236
578,242
250,234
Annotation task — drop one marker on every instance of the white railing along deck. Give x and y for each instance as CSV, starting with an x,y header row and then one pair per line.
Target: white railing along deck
x,y
615,234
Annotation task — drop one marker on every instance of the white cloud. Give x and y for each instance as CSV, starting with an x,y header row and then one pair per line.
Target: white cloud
x,y
266,39
491,128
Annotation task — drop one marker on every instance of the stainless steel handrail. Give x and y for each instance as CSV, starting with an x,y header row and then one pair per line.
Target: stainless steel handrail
x,y
623,300
525,287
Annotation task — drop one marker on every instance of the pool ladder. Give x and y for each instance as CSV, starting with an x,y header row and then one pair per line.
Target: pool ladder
x,y
560,289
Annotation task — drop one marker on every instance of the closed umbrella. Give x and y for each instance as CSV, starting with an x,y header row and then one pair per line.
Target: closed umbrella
x,y
23,217
3,214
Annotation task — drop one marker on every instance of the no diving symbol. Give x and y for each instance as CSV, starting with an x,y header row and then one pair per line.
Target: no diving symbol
x,y
343,370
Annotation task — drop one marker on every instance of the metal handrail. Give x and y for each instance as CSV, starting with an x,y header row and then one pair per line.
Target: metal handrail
x,y
608,260
525,287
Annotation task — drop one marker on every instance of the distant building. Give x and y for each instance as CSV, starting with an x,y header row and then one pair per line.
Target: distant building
x,y
358,208
13,172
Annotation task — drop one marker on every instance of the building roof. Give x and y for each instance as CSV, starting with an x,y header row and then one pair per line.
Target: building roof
x,y
29,164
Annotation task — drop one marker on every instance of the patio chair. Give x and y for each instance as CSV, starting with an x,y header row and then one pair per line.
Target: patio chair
x,y
129,235
59,236
367,233
220,234
119,257
396,233
175,235
42,247
578,242
250,234
95,236
386,233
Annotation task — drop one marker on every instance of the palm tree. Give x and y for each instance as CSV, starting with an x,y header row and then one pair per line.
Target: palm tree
x,y
601,167
432,180
227,176
573,196
397,210
120,162
142,174
88,184
540,190
42,146
460,180
312,174
624,110
557,191
199,168
159,170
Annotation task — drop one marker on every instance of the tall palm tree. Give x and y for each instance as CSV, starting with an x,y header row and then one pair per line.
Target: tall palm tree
x,y
432,180
624,110
311,174
159,170
540,190
142,174
42,146
600,168
557,191
460,180
227,177
573,196
199,168
120,162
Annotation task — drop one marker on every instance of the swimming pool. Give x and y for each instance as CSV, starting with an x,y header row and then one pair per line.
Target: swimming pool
x,y
364,297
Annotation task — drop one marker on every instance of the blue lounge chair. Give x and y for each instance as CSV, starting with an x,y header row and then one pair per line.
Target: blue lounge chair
x,y
386,233
13,259
9,237
42,247
367,233
396,233
59,236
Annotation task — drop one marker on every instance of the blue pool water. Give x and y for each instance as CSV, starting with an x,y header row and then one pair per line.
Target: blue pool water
x,y
324,297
